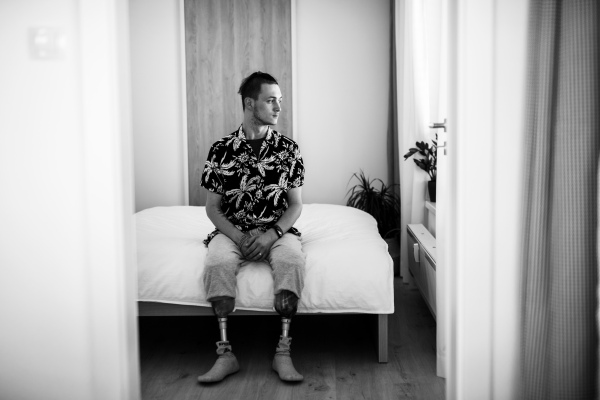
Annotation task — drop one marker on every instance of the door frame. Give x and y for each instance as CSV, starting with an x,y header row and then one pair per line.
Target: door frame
x,y
470,305
106,134
486,130
479,319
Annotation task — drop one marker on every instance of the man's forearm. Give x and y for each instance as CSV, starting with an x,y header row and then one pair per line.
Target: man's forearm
x,y
289,217
257,247
287,220
223,224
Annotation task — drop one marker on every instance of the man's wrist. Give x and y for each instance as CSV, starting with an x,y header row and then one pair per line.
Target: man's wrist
x,y
242,240
278,230
273,233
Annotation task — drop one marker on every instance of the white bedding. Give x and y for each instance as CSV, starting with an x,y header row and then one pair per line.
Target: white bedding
x,y
348,268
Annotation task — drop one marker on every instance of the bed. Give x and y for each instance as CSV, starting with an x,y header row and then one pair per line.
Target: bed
x,y
348,268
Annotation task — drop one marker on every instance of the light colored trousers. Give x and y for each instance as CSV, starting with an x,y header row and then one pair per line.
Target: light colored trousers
x,y
224,260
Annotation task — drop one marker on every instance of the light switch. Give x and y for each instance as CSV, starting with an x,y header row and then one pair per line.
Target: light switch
x,y
47,43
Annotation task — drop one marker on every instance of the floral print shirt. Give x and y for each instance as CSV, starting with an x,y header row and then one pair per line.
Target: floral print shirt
x,y
254,189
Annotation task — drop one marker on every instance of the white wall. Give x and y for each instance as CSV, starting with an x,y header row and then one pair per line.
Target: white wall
x,y
342,96
57,252
343,53
156,79
44,342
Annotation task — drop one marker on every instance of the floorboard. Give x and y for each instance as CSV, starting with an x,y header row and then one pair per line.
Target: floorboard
x,y
336,354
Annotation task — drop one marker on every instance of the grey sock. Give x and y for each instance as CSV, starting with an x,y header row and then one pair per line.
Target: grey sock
x,y
226,364
282,362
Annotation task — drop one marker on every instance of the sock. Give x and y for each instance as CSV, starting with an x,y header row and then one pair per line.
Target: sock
x,y
226,364
282,362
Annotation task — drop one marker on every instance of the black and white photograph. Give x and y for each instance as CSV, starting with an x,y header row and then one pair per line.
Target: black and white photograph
x,y
299,199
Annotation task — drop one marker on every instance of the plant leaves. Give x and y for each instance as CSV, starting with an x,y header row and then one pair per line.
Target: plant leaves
x,y
383,204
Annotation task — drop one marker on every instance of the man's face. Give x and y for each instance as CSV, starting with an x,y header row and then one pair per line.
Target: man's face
x,y
268,105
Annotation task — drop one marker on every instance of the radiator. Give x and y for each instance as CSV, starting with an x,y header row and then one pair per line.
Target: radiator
x,y
421,257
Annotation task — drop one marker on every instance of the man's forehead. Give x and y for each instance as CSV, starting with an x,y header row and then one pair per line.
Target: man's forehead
x,y
270,90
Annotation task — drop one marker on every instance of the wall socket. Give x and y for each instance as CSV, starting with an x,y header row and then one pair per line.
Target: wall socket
x,y
47,43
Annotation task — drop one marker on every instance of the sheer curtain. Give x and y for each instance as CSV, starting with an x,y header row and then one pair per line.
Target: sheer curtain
x,y
560,269
420,75
420,55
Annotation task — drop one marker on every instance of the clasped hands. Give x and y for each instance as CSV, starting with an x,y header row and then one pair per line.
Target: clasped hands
x,y
257,247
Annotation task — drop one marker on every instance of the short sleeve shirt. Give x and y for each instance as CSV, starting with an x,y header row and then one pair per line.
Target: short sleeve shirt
x,y
254,188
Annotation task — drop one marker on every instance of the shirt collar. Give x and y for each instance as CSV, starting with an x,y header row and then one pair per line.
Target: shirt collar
x,y
242,135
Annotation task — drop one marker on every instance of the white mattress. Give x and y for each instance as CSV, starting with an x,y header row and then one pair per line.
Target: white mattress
x,y
348,268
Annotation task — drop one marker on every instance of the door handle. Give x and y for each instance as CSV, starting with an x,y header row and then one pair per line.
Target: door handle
x,y
438,125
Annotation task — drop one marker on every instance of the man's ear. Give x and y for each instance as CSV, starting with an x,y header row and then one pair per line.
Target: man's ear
x,y
249,102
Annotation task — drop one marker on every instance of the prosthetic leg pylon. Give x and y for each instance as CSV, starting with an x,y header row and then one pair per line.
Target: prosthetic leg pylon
x,y
226,363
286,304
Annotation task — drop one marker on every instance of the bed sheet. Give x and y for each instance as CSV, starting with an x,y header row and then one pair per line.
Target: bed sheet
x,y
348,268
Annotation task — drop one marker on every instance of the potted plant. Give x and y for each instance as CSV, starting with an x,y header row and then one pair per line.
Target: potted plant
x,y
428,163
384,205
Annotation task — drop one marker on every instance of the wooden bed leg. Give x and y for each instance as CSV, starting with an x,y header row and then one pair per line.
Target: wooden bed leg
x,y
382,337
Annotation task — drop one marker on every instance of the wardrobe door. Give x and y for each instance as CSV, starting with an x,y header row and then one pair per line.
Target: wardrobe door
x,y
225,41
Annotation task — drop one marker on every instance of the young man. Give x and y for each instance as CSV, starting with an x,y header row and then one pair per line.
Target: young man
x,y
254,178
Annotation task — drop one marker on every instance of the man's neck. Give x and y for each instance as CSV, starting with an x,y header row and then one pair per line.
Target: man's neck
x,y
253,130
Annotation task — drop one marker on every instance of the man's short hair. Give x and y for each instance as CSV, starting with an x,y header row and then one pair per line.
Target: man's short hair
x,y
251,85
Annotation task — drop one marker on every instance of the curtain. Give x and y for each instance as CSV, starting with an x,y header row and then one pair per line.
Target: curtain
x,y
420,86
393,147
420,78
559,330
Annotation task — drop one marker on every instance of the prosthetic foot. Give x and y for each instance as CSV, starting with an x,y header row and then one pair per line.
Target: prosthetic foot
x,y
286,304
227,363
282,362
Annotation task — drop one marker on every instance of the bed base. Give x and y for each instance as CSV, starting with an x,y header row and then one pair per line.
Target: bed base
x,y
152,309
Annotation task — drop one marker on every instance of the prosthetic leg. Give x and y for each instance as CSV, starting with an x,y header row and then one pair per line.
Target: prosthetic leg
x,y
286,304
227,363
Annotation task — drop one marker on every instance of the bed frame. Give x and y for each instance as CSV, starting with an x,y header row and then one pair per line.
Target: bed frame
x,y
153,309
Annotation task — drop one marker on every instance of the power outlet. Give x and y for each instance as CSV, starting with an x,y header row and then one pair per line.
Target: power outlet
x,y
47,43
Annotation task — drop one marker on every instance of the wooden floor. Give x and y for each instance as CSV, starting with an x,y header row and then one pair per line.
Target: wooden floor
x,y
336,354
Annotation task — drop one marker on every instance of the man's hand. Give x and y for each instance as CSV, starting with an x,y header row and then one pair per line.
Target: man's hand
x,y
257,248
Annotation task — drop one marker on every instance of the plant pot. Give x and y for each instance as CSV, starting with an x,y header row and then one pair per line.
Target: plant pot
x,y
431,188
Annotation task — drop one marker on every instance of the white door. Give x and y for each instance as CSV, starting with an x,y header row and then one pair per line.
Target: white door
x,y
443,195
423,99
438,43
442,246
473,56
